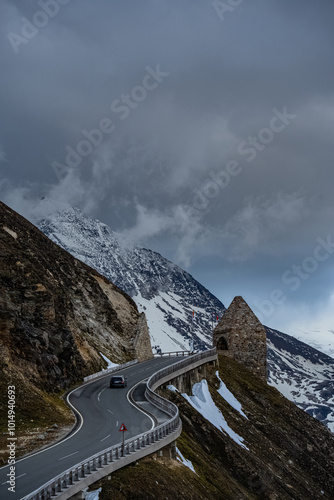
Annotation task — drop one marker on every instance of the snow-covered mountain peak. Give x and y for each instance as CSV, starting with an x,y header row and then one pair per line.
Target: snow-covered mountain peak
x,y
165,292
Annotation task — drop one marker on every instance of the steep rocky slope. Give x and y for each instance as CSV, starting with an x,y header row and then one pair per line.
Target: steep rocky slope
x,y
56,316
285,455
302,374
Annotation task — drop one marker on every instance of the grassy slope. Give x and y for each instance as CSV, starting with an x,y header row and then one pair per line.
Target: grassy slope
x,y
35,412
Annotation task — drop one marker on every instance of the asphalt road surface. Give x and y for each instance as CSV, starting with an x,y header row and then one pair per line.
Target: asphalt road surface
x,y
103,410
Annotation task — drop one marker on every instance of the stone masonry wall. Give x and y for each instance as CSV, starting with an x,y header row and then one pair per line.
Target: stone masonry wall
x,y
240,335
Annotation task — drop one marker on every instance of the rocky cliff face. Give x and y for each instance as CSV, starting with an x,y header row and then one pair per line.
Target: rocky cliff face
x,y
56,313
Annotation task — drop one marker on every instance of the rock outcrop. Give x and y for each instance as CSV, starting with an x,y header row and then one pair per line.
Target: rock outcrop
x,y
57,314
141,343
240,335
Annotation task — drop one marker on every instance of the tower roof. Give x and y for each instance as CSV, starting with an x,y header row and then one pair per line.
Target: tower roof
x,y
238,315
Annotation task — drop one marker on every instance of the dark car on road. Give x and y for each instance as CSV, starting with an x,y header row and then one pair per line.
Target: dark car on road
x,y
118,381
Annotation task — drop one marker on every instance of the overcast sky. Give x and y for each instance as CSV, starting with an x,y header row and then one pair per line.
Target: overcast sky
x,y
202,130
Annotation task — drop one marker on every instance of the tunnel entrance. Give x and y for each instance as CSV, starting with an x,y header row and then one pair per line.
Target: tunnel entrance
x,y
222,344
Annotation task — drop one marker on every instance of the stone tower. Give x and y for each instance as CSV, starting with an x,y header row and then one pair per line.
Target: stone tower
x,y
240,335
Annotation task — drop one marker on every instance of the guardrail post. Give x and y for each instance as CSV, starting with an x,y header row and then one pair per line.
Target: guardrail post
x,y
58,485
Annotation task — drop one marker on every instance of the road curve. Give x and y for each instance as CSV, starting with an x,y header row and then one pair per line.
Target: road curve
x,y
102,411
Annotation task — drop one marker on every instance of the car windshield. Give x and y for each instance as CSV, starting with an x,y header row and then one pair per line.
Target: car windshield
x,y
117,379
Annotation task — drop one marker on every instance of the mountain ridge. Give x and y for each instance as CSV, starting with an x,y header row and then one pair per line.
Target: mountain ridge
x,y
168,295
156,284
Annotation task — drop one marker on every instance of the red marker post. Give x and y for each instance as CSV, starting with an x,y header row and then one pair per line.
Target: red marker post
x,y
122,429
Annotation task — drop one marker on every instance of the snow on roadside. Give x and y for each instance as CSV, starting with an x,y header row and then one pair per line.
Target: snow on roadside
x,y
171,388
204,404
92,495
184,461
228,396
110,363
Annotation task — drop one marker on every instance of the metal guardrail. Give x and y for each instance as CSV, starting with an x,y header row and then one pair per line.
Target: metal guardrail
x,y
169,370
110,370
63,482
173,353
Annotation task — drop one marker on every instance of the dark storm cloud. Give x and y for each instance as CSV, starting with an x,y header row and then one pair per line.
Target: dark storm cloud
x,y
162,176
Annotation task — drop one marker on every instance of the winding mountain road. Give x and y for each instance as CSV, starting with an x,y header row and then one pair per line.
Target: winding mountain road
x,y
102,411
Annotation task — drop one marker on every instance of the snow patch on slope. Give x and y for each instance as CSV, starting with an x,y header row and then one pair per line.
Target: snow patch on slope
x,y
184,461
323,341
228,396
204,404
110,363
303,375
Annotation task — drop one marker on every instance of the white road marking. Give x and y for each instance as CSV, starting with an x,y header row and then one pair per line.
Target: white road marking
x,y
99,394
17,477
142,411
104,438
68,455
110,412
117,423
